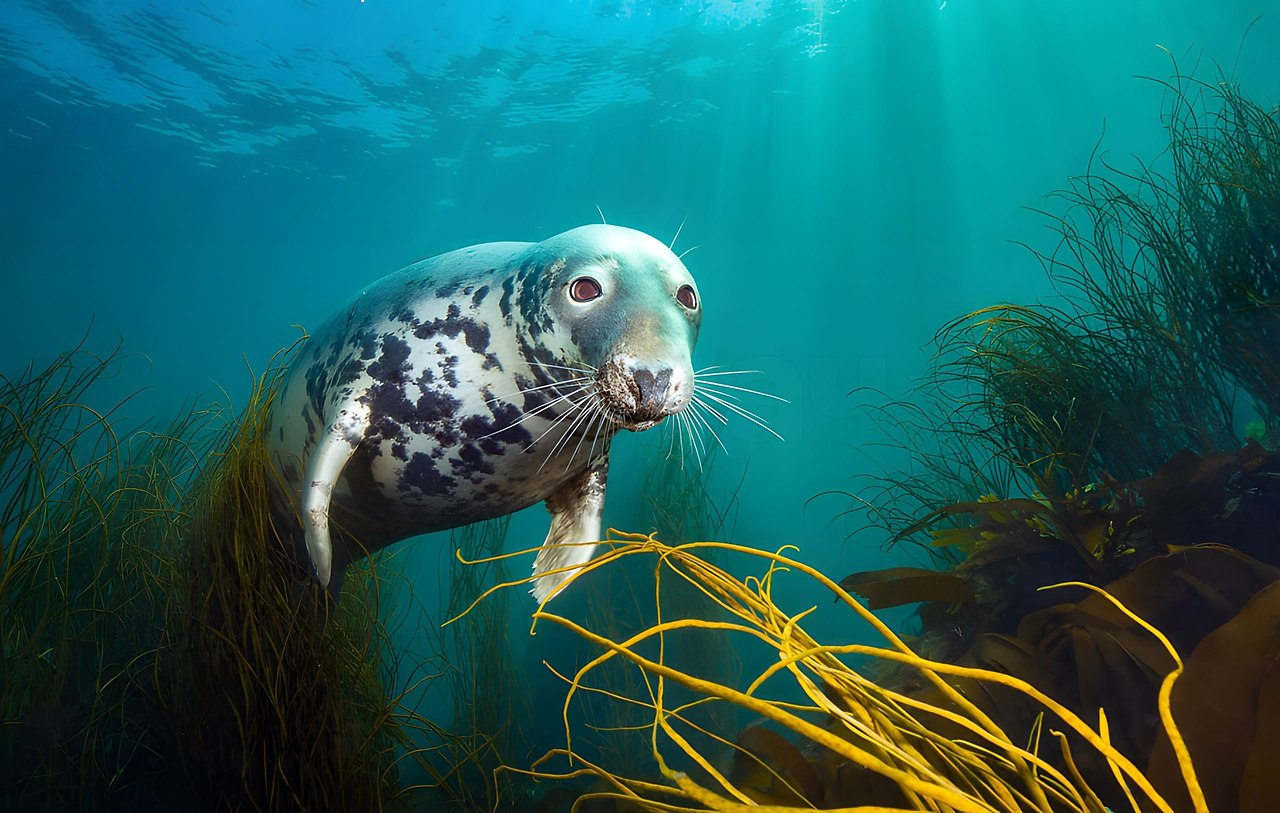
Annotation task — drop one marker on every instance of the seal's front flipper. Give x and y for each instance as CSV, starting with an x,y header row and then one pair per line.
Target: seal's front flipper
x,y
575,509
328,460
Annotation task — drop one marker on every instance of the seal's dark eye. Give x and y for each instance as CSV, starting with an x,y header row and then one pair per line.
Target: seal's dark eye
x,y
585,289
685,296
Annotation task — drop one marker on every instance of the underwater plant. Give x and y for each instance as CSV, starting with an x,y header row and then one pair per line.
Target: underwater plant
x,y
863,745
677,504
1099,440
1163,338
87,516
260,666
1038,423
1170,278
158,647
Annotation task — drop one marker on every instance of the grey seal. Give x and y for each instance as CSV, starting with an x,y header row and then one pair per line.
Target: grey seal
x,y
476,383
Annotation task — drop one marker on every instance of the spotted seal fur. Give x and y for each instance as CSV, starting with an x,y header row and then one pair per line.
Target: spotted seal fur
x,y
479,382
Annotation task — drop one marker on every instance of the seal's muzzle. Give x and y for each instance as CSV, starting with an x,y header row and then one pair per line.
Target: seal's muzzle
x,y
639,396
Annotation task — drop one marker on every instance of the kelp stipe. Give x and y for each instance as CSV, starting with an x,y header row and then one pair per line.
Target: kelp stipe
x,y
859,743
676,502
611,728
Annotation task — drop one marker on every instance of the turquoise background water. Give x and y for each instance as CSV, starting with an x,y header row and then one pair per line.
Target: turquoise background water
x,y
197,178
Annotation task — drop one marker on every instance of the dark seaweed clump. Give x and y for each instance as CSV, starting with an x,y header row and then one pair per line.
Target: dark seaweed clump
x,y
159,649
85,524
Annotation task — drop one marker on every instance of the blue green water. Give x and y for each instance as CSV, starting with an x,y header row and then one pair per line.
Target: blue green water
x,y
197,178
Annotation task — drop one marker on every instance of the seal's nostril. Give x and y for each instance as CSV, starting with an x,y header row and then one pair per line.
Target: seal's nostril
x,y
645,383
653,389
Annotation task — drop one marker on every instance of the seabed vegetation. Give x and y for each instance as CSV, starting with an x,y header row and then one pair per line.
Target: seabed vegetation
x,y
1093,496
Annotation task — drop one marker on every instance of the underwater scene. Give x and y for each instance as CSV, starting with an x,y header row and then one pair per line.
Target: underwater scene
x,y
365,445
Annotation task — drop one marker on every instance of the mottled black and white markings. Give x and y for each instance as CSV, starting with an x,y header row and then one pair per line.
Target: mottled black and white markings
x,y
478,382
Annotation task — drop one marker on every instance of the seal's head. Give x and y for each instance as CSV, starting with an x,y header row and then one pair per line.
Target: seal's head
x,y
625,308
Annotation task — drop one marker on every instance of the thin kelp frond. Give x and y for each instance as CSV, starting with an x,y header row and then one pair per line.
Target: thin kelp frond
x,y
1172,280
909,751
263,667
1053,397
1218,270
88,521
1165,336
679,502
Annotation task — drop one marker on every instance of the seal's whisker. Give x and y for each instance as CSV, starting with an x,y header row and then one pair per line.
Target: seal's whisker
x,y
543,367
586,410
574,407
703,386
560,396
686,433
676,434
672,434
698,421
585,415
599,419
720,387
548,405
584,420
697,401
706,398
600,425
672,244
535,412
680,256
706,371
696,442
702,419
567,382
671,439
691,433
746,413
581,368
